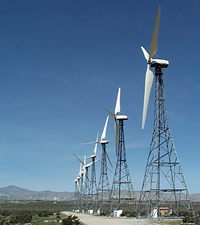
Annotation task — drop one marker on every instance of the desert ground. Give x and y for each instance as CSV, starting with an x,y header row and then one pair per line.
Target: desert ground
x,y
103,220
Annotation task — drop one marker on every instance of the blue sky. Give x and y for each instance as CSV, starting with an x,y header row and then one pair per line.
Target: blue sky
x,y
61,63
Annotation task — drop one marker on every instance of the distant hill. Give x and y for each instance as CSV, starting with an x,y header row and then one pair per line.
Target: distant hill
x,y
16,193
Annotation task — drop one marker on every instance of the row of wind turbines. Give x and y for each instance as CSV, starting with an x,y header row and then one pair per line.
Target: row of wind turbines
x,y
91,195
163,185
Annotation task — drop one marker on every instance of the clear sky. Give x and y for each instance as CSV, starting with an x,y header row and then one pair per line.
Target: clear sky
x,y
61,63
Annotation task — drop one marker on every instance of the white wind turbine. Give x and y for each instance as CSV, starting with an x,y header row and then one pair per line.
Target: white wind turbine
x,y
117,117
86,182
103,141
80,175
103,185
163,179
79,189
150,61
85,167
93,182
122,186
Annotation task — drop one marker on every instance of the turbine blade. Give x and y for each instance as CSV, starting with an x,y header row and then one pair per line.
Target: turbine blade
x,y
88,143
84,172
147,90
146,54
78,159
85,158
154,41
95,147
108,158
116,136
80,168
111,113
103,136
117,106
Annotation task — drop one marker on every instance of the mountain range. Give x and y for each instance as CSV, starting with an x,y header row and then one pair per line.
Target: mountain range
x,y
17,193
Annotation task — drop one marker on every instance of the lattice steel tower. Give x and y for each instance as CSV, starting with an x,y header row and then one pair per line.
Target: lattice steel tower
x,y
93,181
87,186
164,184
81,193
122,189
76,194
82,190
103,185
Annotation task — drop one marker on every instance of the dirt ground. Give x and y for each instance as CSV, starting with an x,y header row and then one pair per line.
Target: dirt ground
x,y
102,220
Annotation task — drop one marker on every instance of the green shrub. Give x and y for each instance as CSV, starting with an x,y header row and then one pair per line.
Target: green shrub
x,y
67,221
76,222
44,213
22,217
71,220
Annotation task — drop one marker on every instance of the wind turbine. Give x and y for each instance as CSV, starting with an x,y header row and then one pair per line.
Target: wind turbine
x,y
80,189
122,188
93,172
86,181
81,172
93,182
103,186
75,194
116,117
163,183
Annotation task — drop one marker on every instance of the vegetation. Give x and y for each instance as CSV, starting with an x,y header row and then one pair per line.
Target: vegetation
x,y
36,213
21,218
71,220
12,207
47,212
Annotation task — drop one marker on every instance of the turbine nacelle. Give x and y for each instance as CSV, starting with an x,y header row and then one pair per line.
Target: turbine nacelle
x,y
92,156
164,63
103,142
121,117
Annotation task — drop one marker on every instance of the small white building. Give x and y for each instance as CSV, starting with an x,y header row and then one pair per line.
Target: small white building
x,y
154,213
90,211
117,213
